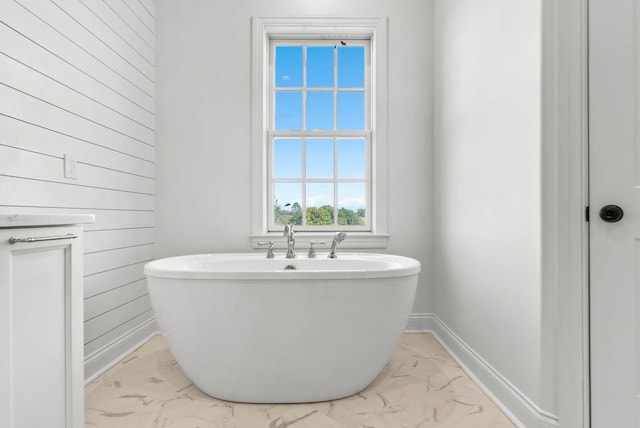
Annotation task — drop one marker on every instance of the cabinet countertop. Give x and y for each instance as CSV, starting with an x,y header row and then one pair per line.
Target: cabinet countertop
x,y
44,220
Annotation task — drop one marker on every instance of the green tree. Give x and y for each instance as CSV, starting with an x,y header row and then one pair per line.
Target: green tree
x,y
322,216
349,217
290,214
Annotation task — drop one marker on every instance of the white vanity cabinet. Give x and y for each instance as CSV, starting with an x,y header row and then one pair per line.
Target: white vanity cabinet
x,y
41,327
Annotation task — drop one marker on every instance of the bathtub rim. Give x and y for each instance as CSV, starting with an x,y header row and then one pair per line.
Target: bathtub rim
x,y
177,267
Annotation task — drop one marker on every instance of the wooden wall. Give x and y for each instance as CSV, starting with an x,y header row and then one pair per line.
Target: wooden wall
x,y
77,78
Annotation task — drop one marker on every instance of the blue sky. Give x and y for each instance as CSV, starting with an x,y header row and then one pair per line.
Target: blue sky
x,y
320,165
320,116
320,82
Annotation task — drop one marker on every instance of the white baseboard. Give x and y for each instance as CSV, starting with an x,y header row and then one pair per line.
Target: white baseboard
x,y
420,323
513,403
106,357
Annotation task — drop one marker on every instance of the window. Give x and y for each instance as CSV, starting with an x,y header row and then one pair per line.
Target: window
x,y
319,128
319,136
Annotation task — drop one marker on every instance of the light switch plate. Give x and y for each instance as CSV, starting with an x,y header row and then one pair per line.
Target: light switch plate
x,y
70,170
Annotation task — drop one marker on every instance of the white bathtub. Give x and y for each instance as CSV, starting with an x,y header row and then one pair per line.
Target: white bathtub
x,y
245,329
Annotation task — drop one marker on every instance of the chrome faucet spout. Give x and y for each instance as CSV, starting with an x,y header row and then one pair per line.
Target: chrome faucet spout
x,y
291,241
338,238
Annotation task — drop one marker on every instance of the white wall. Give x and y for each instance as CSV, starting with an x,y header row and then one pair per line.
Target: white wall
x,y
203,107
488,285
77,78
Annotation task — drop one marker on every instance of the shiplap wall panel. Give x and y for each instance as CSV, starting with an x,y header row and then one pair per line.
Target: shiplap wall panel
x,y
13,45
27,136
26,107
99,342
143,15
62,22
136,22
105,322
14,162
105,240
113,259
19,191
121,219
77,79
120,27
150,7
108,280
104,35
37,30
103,303
25,79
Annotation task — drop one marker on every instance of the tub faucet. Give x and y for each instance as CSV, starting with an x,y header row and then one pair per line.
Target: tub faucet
x,y
312,249
291,241
270,250
338,238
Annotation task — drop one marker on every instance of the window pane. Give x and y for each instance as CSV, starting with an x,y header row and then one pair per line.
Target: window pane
x,y
320,67
289,111
319,158
287,198
287,158
319,204
288,66
351,203
350,111
352,158
351,67
320,110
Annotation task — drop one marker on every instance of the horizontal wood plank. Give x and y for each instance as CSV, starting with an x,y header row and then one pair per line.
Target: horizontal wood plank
x,y
105,240
143,15
114,259
23,135
80,107
27,108
118,315
111,19
140,23
96,27
38,31
22,49
31,192
117,332
105,302
150,7
105,281
14,162
57,18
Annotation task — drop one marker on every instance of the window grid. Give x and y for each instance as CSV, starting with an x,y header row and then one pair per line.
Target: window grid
x,y
335,180
334,134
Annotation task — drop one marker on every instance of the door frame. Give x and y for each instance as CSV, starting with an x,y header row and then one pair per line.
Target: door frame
x,y
565,196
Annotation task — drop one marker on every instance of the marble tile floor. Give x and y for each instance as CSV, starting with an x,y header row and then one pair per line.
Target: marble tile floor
x,y
421,387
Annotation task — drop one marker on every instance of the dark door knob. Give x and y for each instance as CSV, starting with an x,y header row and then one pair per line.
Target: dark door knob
x,y
611,213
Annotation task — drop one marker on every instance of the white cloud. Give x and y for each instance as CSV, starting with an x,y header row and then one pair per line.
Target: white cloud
x,y
352,203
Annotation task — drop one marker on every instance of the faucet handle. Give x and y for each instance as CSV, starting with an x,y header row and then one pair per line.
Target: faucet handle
x,y
312,250
270,250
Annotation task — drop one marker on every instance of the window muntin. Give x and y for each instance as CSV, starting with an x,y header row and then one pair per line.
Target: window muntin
x,y
319,136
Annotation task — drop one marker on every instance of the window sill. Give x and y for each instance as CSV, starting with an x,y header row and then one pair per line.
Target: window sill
x,y
355,240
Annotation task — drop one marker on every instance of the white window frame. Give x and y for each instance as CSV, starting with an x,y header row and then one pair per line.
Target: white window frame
x,y
267,29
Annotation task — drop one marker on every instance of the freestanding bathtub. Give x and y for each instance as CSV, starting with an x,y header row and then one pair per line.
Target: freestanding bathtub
x,y
250,329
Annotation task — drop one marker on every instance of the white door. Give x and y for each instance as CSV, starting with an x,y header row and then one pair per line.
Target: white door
x,y
614,125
